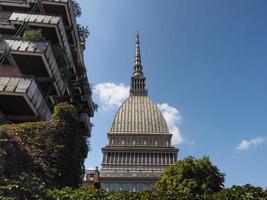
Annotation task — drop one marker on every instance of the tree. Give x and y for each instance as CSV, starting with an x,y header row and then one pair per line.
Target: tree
x,y
246,192
191,176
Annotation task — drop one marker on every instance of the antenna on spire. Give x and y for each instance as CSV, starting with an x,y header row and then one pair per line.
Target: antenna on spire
x,y
137,60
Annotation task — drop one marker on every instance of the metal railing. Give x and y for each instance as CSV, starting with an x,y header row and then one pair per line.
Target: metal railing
x,y
4,17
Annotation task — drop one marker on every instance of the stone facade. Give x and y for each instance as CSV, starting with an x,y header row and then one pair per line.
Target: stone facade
x,y
139,145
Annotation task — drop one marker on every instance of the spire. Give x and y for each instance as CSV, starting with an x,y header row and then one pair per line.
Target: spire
x,y
137,61
138,80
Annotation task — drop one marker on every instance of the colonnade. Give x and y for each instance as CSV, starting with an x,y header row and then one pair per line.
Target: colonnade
x,y
138,158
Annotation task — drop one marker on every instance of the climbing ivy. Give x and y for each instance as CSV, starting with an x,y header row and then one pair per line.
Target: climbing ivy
x,y
57,148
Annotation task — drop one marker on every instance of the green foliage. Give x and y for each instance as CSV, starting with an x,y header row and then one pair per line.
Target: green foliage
x,y
57,147
82,193
246,192
76,9
22,186
34,35
191,176
83,32
87,193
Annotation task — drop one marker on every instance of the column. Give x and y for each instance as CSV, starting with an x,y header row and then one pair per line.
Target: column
x,y
144,158
111,158
105,158
119,158
108,157
166,161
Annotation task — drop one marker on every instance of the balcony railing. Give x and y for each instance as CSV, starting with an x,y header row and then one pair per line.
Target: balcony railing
x,y
4,17
30,104
36,59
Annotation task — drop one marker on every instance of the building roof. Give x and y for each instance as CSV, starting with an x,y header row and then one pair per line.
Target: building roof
x,y
138,114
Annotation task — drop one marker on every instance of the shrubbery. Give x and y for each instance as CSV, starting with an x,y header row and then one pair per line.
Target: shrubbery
x,y
54,151
34,35
246,192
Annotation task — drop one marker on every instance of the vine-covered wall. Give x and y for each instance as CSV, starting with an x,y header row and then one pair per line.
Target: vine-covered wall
x,y
52,151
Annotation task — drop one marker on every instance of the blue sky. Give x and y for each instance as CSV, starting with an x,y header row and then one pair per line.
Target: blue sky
x,y
206,59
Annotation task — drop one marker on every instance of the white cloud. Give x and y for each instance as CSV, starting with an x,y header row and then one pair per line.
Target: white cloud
x,y
246,144
173,119
111,95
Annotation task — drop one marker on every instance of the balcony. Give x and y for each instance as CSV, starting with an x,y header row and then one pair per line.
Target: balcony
x,y
4,17
36,59
52,29
61,8
21,100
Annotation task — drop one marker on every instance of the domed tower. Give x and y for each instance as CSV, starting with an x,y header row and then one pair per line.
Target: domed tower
x,y
139,140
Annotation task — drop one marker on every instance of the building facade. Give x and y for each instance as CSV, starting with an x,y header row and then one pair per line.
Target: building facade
x,y
139,145
92,178
41,61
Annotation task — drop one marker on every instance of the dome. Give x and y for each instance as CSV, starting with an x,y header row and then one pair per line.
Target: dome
x,y
138,114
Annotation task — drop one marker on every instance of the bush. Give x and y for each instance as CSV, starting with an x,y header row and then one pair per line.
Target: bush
x,y
54,151
22,186
33,35
83,193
